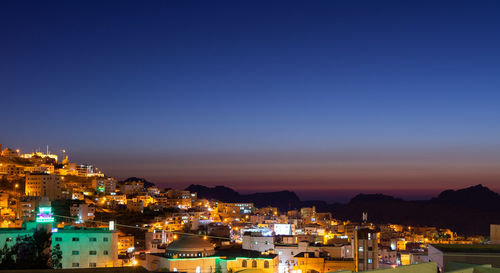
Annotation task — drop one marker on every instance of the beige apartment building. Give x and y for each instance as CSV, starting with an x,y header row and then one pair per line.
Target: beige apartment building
x,y
43,184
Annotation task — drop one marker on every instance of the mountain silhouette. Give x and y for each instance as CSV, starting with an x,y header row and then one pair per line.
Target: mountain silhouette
x,y
283,200
467,211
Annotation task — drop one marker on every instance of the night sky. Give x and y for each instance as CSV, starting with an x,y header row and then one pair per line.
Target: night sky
x,y
327,98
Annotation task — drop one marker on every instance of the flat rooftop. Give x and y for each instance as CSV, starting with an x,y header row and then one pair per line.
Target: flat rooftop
x,y
468,248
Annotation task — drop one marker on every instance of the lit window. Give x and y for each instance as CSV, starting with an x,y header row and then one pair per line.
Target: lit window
x,y
369,261
198,269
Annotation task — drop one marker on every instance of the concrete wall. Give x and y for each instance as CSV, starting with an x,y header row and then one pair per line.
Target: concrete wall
x,y
236,265
495,234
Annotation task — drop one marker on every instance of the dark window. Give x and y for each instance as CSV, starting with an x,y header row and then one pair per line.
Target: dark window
x,y
244,263
76,239
254,263
105,252
266,264
105,239
92,252
75,252
58,239
75,265
92,265
92,239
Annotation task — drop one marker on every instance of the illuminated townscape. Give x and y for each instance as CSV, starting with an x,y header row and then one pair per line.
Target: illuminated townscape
x,y
250,136
93,220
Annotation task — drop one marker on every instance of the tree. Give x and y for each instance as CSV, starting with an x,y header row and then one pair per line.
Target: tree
x,y
29,252
6,257
56,257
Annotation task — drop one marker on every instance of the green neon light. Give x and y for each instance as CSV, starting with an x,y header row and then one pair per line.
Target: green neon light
x,y
184,259
44,215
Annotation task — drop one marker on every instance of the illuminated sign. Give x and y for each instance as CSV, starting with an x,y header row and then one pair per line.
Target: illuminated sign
x,y
44,215
101,188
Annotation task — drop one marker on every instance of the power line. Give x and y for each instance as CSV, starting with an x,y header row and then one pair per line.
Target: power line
x,y
174,232
147,229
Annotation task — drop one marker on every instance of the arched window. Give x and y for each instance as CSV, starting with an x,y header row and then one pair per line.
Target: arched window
x,y
266,264
198,269
244,263
254,263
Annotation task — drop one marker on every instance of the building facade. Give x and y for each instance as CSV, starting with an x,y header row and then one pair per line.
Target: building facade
x,y
43,184
87,247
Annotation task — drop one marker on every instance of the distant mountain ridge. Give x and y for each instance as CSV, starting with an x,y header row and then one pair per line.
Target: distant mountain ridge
x,y
147,184
467,211
284,200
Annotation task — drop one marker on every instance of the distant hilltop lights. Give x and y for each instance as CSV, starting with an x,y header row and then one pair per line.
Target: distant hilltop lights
x,y
39,154
44,163
7,152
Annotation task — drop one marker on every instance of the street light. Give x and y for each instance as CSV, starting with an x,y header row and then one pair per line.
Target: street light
x,y
15,188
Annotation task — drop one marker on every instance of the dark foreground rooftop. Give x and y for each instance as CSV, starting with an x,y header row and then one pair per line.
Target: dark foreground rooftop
x,y
468,248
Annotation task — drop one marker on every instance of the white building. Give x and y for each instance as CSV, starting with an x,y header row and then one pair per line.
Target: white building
x,y
87,247
156,239
257,242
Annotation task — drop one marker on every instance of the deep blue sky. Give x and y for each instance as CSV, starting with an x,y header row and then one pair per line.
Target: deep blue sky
x,y
308,95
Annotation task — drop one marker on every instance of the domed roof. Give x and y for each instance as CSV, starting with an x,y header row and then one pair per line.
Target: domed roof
x,y
189,243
